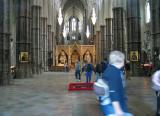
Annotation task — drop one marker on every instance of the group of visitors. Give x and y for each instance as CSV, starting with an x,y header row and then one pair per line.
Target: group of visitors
x,y
112,73
88,68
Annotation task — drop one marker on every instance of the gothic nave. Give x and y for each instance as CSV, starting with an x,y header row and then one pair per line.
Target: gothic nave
x,y
38,38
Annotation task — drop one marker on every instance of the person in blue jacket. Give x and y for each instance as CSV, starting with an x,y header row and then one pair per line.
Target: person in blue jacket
x,y
114,77
89,70
104,64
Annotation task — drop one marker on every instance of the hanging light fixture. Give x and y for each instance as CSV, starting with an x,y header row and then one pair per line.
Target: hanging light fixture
x,y
87,32
60,18
93,17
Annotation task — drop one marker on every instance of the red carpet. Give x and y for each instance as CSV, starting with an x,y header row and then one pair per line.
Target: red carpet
x,y
80,86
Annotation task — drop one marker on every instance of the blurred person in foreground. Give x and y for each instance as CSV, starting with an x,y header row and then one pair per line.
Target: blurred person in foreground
x,y
156,88
115,80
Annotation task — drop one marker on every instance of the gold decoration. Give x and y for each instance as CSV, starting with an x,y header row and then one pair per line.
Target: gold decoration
x,y
134,56
75,52
24,57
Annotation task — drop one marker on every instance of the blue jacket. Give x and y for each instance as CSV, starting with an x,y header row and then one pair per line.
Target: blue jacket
x,y
115,82
89,67
104,66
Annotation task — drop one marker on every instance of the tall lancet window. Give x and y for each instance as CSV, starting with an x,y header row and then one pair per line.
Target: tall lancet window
x,y
79,26
67,26
147,10
74,24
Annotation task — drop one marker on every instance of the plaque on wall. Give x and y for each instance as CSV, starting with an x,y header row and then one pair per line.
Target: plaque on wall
x,y
134,56
24,57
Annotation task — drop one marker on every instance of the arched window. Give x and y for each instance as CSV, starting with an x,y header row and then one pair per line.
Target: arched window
x,y
147,11
80,26
67,26
74,24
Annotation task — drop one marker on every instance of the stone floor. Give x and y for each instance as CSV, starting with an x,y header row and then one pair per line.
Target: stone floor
x,y
47,95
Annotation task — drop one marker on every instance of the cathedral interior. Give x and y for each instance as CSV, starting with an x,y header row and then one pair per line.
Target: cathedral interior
x,y
39,37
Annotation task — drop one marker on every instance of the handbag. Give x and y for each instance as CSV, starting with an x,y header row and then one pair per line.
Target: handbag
x,y
101,88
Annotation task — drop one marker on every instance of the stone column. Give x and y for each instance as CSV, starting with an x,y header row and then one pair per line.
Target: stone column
x,y
4,42
109,35
44,43
4,58
102,48
98,50
23,42
84,27
155,22
118,29
134,33
36,64
53,49
49,47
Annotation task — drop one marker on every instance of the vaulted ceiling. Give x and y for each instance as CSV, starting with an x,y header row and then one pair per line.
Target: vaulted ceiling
x,y
84,2
74,8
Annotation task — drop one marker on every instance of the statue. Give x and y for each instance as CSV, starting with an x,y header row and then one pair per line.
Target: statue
x,y
87,56
62,58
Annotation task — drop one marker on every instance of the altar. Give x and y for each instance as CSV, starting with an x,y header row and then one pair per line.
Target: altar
x,y
69,54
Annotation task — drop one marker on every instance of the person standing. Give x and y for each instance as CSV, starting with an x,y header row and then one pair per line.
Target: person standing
x,y
98,71
78,71
65,67
89,70
114,78
127,70
104,64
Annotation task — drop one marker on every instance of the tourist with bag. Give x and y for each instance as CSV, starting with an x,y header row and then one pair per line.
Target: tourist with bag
x,y
113,76
101,89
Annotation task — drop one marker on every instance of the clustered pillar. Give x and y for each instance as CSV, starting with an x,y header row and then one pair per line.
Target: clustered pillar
x,y
109,35
134,34
44,43
118,28
23,41
50,47
102,29
4,42
53,50
36,51
155,21
98,47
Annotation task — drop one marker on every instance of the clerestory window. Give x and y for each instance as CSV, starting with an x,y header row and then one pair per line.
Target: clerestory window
x,y
74,24
147,10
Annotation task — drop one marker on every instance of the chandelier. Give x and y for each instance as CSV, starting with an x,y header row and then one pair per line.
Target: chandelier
x,y
93,17
60,18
